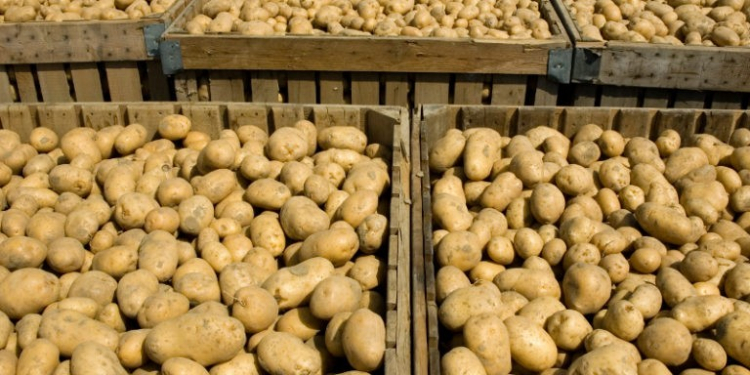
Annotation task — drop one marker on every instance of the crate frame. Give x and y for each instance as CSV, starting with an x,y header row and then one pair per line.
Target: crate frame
x,y
429,122
388,125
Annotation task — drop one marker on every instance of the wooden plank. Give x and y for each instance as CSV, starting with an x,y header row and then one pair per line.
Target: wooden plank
x,y
367,54
26,83
683,121
546,92
301,87
585,95
332,87
6,90
431,89
186,86
509,89
61,118
531,117
158,84
635,122
53,83
721,123
397,89
615,96
226,86
149,115
656,98
576,117
87,82
468,88
102,115
247,114
726,100
689,99
21,120
206,118
124,81
365,88
419,300
285,115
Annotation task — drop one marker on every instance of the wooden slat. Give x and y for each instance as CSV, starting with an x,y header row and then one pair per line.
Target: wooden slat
x,y
614,96
149,115
431,89
301,87
99,116
21,120
689,99
53,83
60,118
585,95
158,84
576,117
683,121
721,124
634,122
655,98
546,92
726,100
247,114
186,86
124,81
6,90
467,89
206,118
397,89
365,88
226,86
419,301
508,89
26,83
87,82
531,117
332,88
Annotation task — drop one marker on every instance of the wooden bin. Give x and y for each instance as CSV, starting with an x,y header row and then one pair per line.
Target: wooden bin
x,y
84,61
386,125
627,74
430,122
366,70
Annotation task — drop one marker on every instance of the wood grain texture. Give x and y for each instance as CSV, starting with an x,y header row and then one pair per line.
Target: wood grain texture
x,y
124,81
397,89
332,88
509,89
6,91
431,89
619,96
26,82
727,100
301,87
53,83
158,83
226,86
87,82
186,86
656,98
546,92
467,89
689,99
365,88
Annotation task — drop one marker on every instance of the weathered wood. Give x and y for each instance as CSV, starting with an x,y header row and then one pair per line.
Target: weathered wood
x,y
186,86
124,81
618,96
332,88
419,302
149,114
26,83
158,84
226,86
431,89
99,116
546,92
87,82
656,98
467,89
53,83
60,118
6,90
21,120
396,89
727,100
585,95
365,88
689,99
508,89
301,87
206,118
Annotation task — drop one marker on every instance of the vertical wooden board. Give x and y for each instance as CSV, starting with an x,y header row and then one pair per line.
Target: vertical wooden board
x,y
87,82
585,95
206,118
684,122
26,83
419,302
721,123
546,92
285,115
689,99
467,89
21,120
576,117
61,118
531,117
499,118
332,88
726,100
617,96
431,89
655,98
436,121
301,88
149,115
53,83
239,114
186,86
379,124
327,116
124,81
508,89
365,88
397,89
158,83
226,86
100,116
6,91
635,122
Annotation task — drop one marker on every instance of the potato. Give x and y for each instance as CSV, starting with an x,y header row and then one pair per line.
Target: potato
x,y
363,340
116,261
91,357
268,194
133,289
737,281
196,213
178,365
461,360
26,291
568,328
336,245
661,330
255,307
667,224
287,144
202,337
586,288
604,359
284,353
369,271
300,217
487,337
709,354
574,180
367,175
481,151
294,285
450,212
674,287
731,331
461,249
334,295
530,346
27,329
701,312
503,189
161,306
299,322
447,150
529,282
463,303
242,363
342,137
40,356
22,252
547,203
68,329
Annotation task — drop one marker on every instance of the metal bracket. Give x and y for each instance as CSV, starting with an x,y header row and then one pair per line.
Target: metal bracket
x,y
560,64
586,65
152,36
171,56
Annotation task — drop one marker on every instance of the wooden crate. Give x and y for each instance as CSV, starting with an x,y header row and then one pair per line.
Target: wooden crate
x,y
626,74
84,61
368,70
386,125
430,122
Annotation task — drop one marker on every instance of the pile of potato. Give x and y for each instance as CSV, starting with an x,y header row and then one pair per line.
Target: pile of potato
x,y
689,22
593,255
497,19
248,254
78,10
